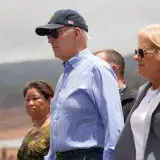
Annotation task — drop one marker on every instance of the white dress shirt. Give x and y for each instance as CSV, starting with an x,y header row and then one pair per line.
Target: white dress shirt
x,y
138,123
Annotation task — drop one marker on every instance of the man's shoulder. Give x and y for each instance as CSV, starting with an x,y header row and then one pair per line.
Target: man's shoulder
x,y
129,94
128,100
97,62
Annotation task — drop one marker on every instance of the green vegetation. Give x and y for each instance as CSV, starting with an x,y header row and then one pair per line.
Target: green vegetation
x,y
15,75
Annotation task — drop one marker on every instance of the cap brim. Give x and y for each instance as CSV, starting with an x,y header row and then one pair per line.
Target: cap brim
x,y
44,30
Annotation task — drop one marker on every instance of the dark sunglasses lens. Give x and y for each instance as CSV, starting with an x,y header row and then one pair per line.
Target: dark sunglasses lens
x,y
140,52
53,34
135,52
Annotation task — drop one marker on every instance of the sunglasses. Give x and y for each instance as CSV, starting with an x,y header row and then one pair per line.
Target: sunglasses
x,y
142,52
53,34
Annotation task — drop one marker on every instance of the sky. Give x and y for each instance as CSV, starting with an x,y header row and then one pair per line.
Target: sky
x,y
112,24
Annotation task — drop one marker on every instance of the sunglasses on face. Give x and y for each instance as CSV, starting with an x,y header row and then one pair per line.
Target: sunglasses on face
x,y
53,34
142,52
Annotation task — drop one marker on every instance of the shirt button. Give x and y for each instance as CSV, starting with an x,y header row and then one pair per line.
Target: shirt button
x,y
60,90
54,137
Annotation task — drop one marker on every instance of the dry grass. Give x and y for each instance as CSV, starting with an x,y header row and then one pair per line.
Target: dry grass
x,y
14,123
11,154
13,118
15,133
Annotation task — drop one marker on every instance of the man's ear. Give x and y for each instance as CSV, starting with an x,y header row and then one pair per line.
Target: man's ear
x,y
115,68
77,32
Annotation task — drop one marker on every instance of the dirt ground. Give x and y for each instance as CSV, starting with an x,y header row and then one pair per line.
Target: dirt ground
x,y
10,154
14,123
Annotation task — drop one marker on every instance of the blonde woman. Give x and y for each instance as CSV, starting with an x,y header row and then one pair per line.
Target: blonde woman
x,y
140,138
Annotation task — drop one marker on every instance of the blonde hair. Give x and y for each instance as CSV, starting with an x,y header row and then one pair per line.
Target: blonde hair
x,y
152,32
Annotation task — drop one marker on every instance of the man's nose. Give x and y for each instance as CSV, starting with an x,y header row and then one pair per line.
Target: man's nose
x,y
51,40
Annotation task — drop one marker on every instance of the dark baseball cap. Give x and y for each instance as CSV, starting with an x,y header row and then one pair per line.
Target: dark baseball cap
x,y
60,18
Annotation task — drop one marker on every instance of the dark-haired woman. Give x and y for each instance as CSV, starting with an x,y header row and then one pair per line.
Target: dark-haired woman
x,y
37,95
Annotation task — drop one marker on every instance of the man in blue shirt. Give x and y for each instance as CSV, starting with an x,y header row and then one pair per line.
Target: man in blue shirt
x,y
86,112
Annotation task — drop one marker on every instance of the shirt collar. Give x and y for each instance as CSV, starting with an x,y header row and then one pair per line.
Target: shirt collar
x,y
121,90
74,61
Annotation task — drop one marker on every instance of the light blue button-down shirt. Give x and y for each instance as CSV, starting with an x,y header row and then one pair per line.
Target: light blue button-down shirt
x,y
86,109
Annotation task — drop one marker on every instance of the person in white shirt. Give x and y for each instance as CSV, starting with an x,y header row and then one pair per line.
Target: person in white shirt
x,y
140,138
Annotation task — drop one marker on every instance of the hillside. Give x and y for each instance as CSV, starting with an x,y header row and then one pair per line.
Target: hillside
x,y
15,75
133,79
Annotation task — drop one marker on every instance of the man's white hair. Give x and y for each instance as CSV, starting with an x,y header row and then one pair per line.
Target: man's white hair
x,y
85,34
